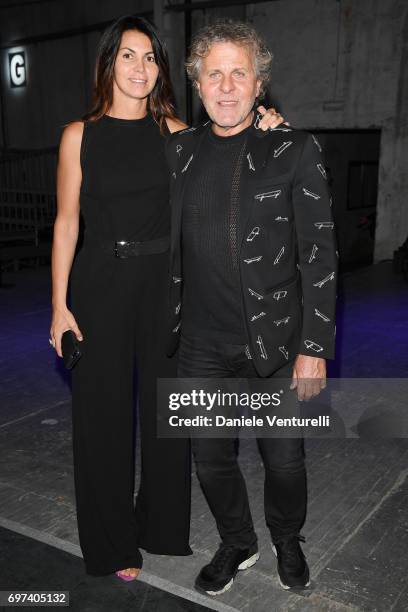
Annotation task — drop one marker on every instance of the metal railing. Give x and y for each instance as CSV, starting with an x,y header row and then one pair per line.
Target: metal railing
x,y
23,211
27,204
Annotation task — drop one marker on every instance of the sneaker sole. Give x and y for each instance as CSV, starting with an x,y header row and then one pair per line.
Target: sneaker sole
x,y
249,562
242,566
286,586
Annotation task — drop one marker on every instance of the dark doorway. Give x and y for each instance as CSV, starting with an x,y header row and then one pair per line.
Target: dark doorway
x,y
352,167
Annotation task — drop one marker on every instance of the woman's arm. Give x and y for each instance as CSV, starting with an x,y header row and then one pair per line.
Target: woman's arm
x,y
66,227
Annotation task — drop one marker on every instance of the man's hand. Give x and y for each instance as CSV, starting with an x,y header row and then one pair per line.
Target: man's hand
x,y
309,376
270,118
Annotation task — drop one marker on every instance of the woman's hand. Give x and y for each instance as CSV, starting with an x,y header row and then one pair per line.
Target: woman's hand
x,y
270,118
62,319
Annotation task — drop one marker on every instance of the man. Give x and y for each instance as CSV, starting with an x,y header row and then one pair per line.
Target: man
x,y
253,268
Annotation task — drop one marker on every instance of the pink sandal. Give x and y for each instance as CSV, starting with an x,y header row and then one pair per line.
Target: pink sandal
x,y
124,577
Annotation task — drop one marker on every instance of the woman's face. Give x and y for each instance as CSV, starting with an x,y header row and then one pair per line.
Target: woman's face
x,y
136,71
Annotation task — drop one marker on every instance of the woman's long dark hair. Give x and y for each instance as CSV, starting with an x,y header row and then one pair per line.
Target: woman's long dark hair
x,y
161,99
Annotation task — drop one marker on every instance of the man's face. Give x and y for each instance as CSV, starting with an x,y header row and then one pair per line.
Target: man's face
x,y
228,87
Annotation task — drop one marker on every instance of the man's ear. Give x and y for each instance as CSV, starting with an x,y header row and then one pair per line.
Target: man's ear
x,y
197,86
258,87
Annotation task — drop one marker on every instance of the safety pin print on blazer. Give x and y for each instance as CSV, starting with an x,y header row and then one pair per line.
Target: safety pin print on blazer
x,y
287,252
253,234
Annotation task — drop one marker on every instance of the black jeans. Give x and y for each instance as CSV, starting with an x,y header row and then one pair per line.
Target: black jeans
x,y
217,458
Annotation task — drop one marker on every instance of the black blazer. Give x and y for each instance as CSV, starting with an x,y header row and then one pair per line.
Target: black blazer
x,y
287,253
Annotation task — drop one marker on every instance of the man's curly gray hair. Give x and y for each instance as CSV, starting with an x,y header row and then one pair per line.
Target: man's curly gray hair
x,y
236,32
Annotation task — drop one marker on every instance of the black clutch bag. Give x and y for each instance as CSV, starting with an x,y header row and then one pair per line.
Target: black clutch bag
x,y
71,351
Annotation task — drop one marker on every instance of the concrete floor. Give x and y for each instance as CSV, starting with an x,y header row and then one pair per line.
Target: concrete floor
x,y
357,525
49,568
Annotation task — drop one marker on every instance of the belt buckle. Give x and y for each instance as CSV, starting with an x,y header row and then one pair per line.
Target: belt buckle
x,y
120,243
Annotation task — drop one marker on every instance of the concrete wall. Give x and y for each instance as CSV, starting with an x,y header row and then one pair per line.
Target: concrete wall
x,y
338,65
353,51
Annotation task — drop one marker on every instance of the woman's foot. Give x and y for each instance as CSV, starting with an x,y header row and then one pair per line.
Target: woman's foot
x,y
130,573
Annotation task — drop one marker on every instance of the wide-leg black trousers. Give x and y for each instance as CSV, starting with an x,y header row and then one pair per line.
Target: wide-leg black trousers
x,y
120,306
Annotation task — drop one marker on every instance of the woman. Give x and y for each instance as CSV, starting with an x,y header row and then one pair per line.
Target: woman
x,y
112,168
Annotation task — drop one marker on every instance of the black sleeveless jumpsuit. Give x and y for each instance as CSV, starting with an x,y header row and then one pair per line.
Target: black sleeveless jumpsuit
x,y
120,305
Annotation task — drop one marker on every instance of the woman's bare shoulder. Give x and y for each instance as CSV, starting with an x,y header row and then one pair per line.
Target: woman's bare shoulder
x,y
71,139
73,131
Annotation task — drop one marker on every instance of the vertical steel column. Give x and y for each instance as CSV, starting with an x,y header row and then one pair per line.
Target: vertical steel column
x,y
187,42
158,15
2,107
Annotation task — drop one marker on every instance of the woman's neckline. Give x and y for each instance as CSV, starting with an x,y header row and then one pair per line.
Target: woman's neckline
x,y
127,122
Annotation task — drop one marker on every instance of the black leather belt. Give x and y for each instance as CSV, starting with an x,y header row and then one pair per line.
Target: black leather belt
x,y
130,248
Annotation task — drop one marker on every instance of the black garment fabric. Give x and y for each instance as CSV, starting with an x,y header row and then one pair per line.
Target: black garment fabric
x,y
216,459
288,258
210,240
125,179
120,307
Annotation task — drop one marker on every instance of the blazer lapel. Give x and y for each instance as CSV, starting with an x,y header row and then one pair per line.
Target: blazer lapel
x,y
186,162
258,145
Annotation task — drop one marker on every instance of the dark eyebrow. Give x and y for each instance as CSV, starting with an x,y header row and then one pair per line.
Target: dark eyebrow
x,y
132,51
